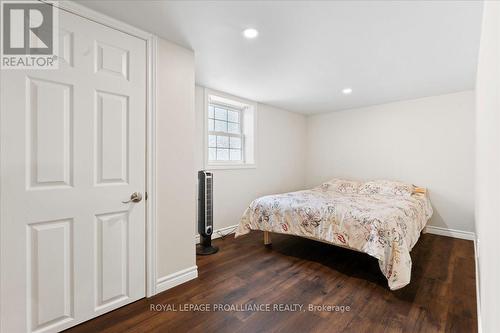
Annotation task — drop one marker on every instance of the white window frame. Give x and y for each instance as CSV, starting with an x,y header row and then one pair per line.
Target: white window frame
x,y
240,135
248,127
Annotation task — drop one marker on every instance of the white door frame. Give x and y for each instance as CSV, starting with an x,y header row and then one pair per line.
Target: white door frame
x,y
151,58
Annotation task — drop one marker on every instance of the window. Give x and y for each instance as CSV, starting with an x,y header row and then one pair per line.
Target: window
x,y
229,132
225,137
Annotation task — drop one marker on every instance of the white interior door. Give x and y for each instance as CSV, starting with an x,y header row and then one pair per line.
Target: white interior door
x,y
72,149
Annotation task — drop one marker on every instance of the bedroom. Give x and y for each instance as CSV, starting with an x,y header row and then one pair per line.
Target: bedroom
x,y
353,147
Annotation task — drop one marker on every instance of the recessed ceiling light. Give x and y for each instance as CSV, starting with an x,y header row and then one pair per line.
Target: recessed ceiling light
x,y
346,91
250,33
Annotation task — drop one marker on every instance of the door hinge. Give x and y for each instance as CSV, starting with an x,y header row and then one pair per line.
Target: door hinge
x,y
145,195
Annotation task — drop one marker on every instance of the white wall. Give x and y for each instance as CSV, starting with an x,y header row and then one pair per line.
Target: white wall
x,y
175,165
428,142
488,167
281,137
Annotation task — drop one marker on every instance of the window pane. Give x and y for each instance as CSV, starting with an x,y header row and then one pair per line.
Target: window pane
x,y
233,128
220,114
212,154
210,111
233,116
212,142
222,154
210,124
235,154
222,141
235,142
220,126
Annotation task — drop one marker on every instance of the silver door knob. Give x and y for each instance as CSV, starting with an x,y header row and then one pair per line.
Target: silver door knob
x,y
134,197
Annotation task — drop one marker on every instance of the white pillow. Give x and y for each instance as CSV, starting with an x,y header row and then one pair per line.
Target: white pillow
x,y
386,187
341,185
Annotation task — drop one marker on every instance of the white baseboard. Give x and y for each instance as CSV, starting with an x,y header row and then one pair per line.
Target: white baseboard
x,y
215,234
177,278
469,235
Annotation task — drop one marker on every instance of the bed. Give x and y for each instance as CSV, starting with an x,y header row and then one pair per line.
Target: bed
x,y
381,218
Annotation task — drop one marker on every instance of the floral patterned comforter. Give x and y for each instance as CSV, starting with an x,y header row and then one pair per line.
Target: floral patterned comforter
x,y
381,218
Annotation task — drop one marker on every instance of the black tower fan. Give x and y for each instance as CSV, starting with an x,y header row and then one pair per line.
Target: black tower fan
x,y
205,215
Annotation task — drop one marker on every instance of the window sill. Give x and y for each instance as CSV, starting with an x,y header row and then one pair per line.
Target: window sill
x,y
230,166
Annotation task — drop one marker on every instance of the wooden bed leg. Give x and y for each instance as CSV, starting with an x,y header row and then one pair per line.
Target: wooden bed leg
x,y
267,238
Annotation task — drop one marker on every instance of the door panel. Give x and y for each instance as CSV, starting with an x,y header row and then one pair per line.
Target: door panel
x,y
49,133
66,49
73,149
112,60
51,261
112,258
112,138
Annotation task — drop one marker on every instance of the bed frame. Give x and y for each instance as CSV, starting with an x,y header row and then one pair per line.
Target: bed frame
x,y
267,238
268,241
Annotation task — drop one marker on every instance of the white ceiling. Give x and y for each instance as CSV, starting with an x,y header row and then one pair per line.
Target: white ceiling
x,y
307,52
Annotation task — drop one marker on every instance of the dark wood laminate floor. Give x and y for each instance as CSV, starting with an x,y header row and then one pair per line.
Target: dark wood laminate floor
x,y
440,298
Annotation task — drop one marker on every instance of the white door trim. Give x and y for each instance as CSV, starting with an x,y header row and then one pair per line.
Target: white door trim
x,y
151,168
151,45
